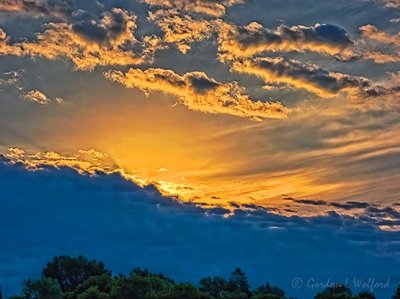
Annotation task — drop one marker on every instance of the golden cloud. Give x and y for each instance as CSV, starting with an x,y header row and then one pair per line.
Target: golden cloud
x,y
36,8
371,33
207,7
37,97
86,52
198,92
253,39
181,31
306,76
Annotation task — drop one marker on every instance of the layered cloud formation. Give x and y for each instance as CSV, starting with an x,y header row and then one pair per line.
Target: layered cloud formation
x,y
199,92
255,39
306,76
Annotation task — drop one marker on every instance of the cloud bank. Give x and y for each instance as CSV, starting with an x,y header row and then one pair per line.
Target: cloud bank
x,y
51,212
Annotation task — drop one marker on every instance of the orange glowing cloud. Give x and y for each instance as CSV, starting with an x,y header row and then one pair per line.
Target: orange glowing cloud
x,y
85,50
253,39
207,7
198,92
371,33
181,31
306,76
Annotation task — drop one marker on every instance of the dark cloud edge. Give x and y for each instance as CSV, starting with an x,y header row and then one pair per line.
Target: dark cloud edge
x,y
373,215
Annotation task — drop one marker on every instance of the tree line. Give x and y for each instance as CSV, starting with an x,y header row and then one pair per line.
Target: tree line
x,y
67,277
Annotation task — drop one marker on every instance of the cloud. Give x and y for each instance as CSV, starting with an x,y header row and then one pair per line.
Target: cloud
x,y
86,43
351,205
37,8
313,202
253,39
207,7
385,47
181,31
371,32
392,3
198,92
37,97
306,76
58,211
112,29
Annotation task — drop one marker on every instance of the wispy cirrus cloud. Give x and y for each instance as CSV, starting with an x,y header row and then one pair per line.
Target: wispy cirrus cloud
x,y
198,92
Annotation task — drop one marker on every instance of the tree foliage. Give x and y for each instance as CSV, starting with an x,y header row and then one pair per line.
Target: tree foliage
x,y
72,271
68,277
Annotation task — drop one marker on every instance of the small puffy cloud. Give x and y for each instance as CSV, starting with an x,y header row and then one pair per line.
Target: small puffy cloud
x,y
392,3
207,7
37,97
3,35
181,31
11,78
198,92
253,39
305,76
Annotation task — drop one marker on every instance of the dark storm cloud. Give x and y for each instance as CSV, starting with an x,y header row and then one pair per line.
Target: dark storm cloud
x,y
50,212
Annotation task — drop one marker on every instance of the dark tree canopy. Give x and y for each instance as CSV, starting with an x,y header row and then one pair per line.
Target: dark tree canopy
x,y
397,293
68,277
213,286
269,291
336,292
72,271
238,282
365,295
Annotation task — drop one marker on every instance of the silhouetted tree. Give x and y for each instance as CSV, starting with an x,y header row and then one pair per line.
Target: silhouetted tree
x,y
43,288
93,293
397,293
238,282
268,291
185,290
335,292
213,286
100,284
141,284
365,295
72,271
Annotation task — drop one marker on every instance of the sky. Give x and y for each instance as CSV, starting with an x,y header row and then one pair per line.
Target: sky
x,y
269,123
